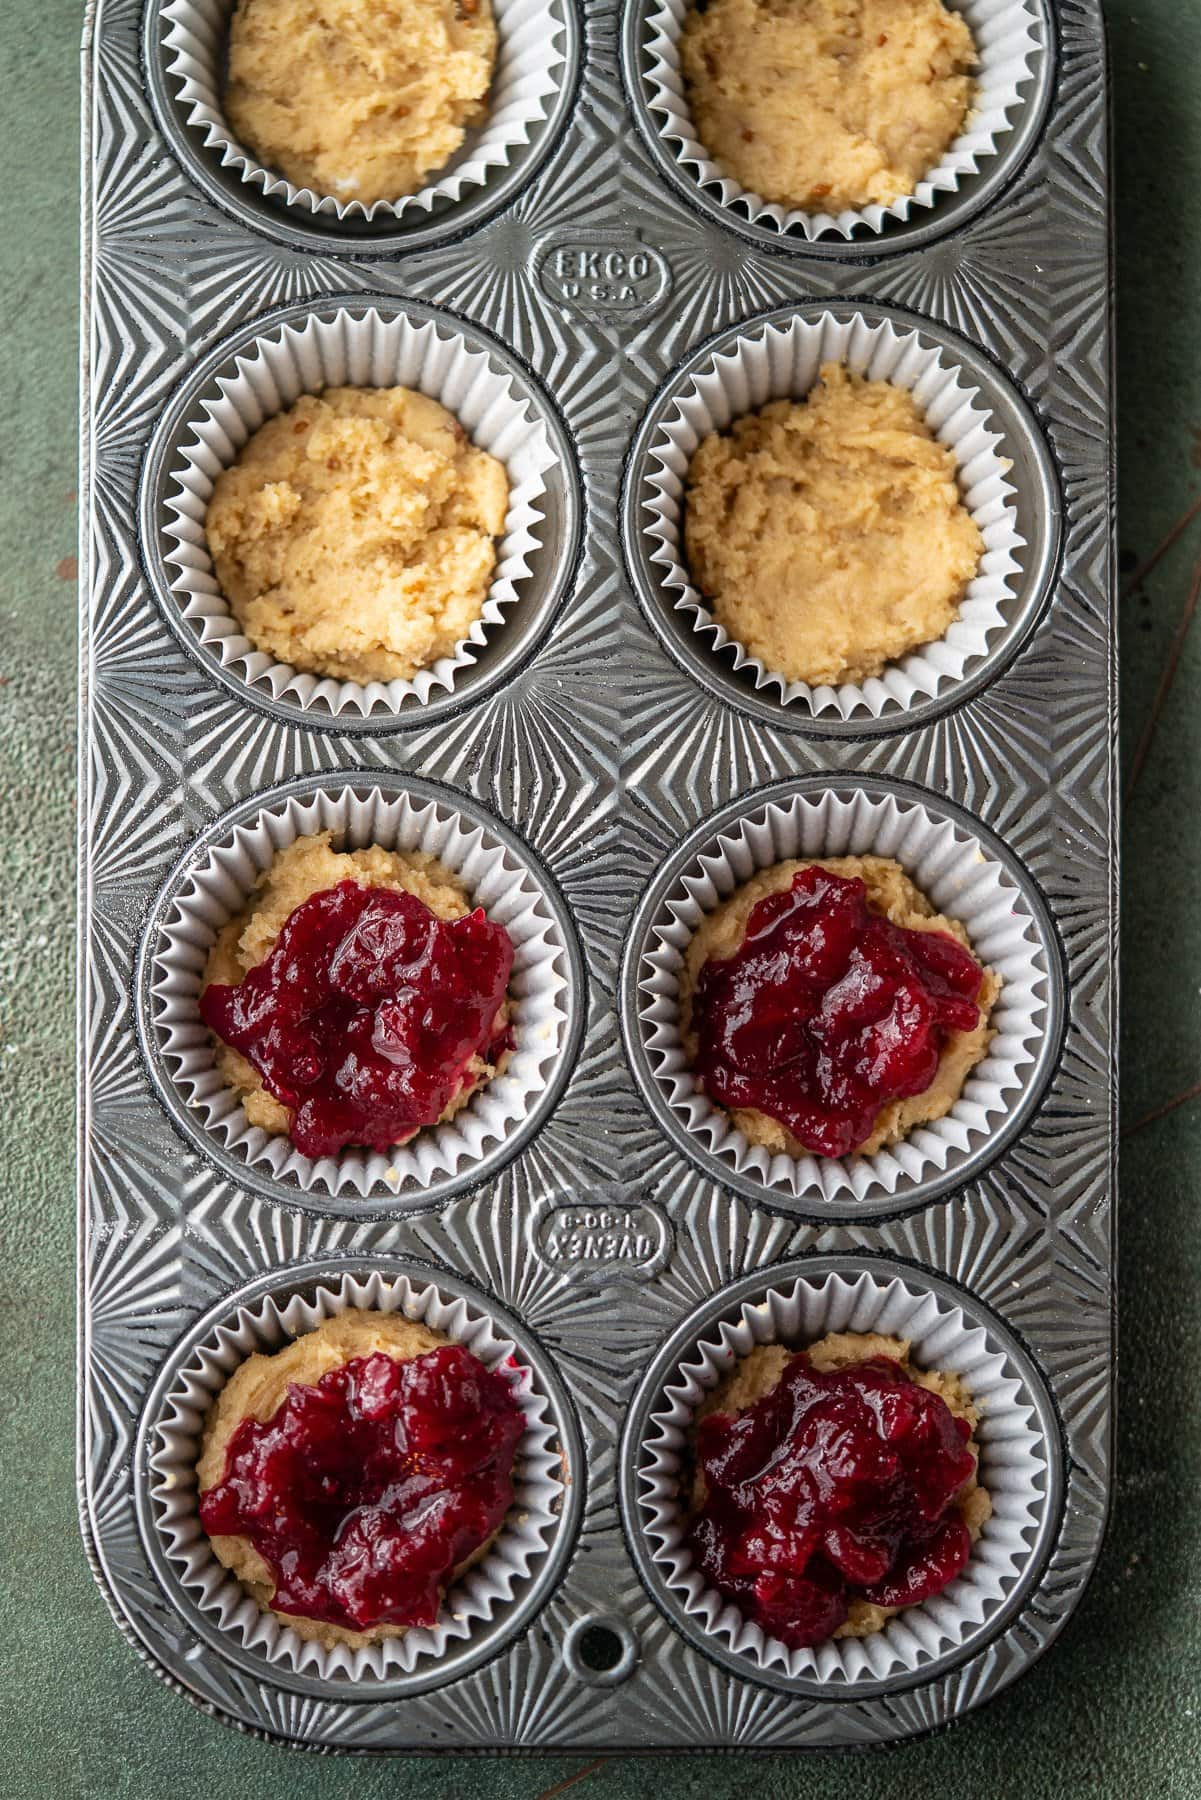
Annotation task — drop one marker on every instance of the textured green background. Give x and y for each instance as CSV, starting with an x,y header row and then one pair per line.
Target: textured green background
x,y
1116,1706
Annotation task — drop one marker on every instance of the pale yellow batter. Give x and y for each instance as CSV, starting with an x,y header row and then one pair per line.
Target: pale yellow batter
x,y
827,105
355,535
828,535
256,1389
758,1373
890,892
310,866
359,99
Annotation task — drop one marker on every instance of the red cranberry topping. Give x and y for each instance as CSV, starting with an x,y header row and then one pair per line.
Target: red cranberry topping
x,y
831,1487
827,1011
366,1014
365,1491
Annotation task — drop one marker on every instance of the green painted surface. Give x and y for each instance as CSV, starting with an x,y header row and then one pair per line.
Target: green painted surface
x,y
1116,1706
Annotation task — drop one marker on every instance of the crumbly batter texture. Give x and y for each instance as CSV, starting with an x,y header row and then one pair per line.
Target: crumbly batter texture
x,y
355,535
828,535
827,105
360,99
758,1373
256,1389
892,893
309,866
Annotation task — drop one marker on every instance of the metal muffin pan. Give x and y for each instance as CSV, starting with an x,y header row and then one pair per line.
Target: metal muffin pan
x,y
604,1239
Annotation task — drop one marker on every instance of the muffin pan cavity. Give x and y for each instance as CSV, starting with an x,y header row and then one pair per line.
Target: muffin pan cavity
x,y
264,371
1004,472
1013,39
185,46
1020,1465
211,886
494,1599
964,873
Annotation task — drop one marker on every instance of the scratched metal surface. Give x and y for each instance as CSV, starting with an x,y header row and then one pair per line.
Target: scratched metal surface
x,y
602,752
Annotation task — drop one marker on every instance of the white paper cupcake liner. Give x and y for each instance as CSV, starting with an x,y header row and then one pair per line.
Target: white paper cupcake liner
x,y
782,359
531,66
267,1325
1015,1467
356,346
964,876
214,887
1010,37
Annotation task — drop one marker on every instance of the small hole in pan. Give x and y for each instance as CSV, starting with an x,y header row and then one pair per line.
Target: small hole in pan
x,y
600,1651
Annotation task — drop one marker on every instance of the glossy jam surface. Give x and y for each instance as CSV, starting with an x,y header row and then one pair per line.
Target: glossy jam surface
x,y
366,1014
831,1487
363,1492
827,1011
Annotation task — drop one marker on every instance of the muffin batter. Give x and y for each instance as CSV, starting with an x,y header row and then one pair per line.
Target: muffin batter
x,y
310,866
890,892
355,536
758,1373
360,99
256,1389
827,105
828,536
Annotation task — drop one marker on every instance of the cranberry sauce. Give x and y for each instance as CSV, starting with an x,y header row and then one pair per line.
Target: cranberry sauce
x,y
827,1011
366,1014
365,1491
831,1487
